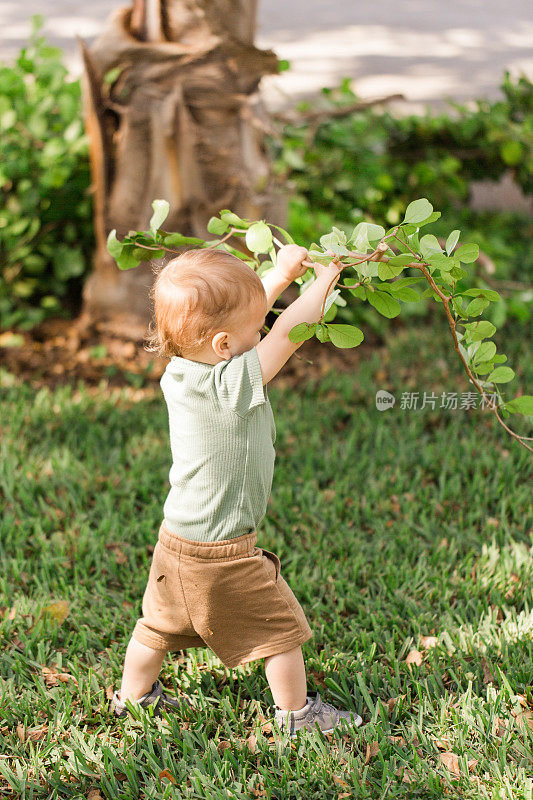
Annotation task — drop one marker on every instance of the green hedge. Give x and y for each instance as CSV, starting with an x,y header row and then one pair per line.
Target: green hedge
x,y
374,163
46,234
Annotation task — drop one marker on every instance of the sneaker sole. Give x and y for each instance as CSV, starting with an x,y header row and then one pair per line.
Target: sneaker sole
x,y
356,724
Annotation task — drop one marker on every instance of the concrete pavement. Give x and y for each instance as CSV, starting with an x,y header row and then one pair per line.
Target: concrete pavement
x,y
426,49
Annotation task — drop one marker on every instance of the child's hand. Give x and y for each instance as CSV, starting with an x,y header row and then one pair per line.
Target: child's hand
x,y
289,261
331,271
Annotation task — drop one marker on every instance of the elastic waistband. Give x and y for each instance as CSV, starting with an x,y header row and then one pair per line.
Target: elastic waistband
x,y
222,549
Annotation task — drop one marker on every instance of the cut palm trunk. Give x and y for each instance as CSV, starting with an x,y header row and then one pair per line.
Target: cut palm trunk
x,y
172,111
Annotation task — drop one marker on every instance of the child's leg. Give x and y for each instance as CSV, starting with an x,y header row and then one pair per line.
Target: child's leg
x,y
142,665
285,674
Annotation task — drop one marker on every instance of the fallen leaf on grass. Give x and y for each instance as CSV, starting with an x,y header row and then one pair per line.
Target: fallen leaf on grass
x,y
488,677
414,657
428,641
407,774
391,702
451,762
36,734
109,692
58,611
223,745
524,718
340,781
94,794
115,547
372,749
499,726
21,732
442,744
252,742
397,740
52,676
168,775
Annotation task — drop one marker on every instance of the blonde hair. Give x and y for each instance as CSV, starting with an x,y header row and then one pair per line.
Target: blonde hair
x,y
195,295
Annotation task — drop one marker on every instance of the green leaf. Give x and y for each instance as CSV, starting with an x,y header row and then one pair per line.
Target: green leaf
x,y
441,262
217,226
501,375
429,245
521,405
114,247
322,333
485,352
387,270
458,307
341,236
330,300
177,240
418,211
451,241
303,331
232,219
320,257
358,292
287,235
475,331
457,273
467,253
127,259
401,282
402,260
385,304
483,367
345,335
331,241
476,307
363,234
161,211
432,218
259,238
404,293
482,292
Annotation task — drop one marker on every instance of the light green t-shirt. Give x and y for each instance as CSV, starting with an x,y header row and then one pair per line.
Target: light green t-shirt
x,y
222,435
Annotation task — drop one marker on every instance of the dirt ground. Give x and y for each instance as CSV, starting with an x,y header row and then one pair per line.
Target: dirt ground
x,y
65,351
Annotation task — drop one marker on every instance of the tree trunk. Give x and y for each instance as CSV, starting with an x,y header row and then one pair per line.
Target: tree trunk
x,y
172,111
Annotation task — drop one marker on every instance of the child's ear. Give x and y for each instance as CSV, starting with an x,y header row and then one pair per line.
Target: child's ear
x,y
221,346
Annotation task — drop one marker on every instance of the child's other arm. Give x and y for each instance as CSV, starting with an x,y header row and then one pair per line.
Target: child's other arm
x,y
274,284
276,348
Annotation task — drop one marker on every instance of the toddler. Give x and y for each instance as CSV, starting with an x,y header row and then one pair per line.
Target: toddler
x,y
209,584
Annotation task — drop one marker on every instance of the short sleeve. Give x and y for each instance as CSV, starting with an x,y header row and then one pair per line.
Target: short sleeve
x,y
239,382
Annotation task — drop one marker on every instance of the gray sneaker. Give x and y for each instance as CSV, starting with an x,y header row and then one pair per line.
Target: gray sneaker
x,y
315,712
156,697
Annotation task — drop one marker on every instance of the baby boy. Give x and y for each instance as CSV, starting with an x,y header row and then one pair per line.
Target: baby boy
x,y
209,584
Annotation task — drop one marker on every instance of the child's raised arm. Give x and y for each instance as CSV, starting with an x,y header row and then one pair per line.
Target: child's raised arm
x,y
276,347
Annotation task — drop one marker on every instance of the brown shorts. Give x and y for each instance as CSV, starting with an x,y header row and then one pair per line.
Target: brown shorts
x,y
228,595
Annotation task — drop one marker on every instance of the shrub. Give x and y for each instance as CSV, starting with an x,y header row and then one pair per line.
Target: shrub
x,y
46,234
373,163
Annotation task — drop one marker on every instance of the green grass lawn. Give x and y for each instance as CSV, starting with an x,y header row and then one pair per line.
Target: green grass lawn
x,y
391,526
